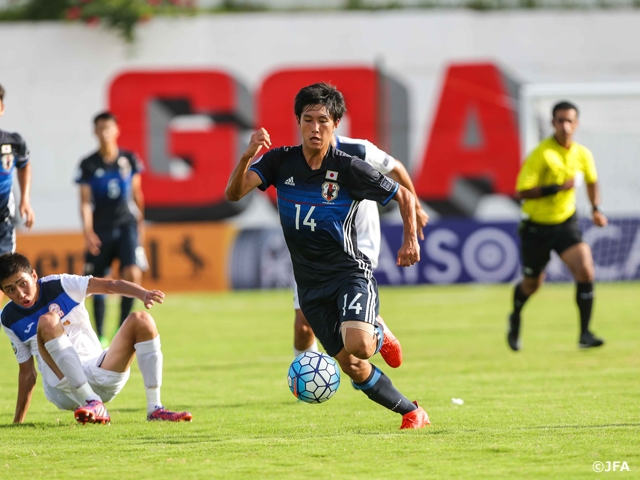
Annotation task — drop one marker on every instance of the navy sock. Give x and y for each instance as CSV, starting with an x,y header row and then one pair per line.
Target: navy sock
x,y
98,313
519,299
125,308
378,387
584,299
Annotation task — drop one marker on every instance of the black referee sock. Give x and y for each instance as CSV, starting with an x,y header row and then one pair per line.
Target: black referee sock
x,y
125,308
98,313
519,299
378,387
584,299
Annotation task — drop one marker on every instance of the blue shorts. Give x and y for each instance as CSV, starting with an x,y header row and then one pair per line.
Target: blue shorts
x,y
7,237
326,308
117,242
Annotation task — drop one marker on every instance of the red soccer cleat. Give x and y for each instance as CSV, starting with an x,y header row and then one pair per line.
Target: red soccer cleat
x,y
391,350
416,419
169,416
93,412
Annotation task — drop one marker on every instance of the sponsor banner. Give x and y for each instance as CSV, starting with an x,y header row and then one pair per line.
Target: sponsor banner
x,y
182,257
453,251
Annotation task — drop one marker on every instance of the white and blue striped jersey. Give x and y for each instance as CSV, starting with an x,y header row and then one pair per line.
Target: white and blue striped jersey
x,y
368,218
64,295
13,154
318,209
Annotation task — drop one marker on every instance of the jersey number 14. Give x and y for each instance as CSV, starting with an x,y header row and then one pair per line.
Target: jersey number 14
x,y
308,221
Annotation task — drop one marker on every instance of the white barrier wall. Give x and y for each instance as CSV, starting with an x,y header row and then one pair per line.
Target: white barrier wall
x,y
57,75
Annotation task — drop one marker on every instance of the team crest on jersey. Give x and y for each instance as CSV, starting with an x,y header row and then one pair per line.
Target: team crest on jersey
x,y
330,191
5,149
55,308
124,167
7,161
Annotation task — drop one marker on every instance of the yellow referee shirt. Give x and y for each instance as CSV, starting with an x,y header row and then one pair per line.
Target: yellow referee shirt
x,y
552,164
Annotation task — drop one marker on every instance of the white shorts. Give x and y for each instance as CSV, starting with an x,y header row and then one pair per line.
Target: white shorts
x,y
296,302
105,384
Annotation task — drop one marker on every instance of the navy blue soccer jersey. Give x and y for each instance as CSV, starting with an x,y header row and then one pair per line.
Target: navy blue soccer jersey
x,y
110,187
13,153
318,209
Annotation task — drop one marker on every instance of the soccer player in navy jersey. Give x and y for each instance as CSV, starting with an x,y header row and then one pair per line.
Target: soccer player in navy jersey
x,y
111,206
46,319
368,231
14,154
319,191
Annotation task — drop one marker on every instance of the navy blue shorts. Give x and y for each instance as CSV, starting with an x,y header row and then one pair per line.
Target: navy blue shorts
x,y
7,237
117,242
326,308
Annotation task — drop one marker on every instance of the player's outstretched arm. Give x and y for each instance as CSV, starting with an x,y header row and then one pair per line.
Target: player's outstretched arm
x,y
26,383
400,175
409,252
24,180
599,219
106,286
243,180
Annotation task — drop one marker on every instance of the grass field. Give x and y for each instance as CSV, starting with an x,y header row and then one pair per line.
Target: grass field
x,y
549,411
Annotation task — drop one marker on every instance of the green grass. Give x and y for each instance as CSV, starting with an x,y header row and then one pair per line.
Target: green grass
x,y
549,411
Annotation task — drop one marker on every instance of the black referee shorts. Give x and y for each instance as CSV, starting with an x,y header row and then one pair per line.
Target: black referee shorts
x,y
537,241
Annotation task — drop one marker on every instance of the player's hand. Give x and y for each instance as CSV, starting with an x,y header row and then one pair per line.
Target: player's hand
x,y
422,218
152,297
258,140
26,212
568,185
93,243
409,253
599,220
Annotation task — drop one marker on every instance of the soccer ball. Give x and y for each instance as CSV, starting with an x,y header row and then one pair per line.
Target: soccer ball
x,y
313,377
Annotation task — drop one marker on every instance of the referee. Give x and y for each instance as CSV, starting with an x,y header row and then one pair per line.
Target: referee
x,y
546,187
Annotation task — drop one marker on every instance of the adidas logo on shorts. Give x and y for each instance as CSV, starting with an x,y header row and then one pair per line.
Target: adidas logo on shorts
x,y
289,181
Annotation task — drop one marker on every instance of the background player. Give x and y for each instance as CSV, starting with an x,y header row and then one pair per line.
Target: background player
x,y
546,184
112,210
367,227
319,191
13,153
46,318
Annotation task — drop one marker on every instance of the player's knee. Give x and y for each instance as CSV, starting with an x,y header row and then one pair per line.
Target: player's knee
x,y
359,342
530,285
49,325
143,322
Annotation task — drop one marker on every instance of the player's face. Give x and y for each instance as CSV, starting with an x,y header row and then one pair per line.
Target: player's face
x,y
316,127
1,107
22,288
565,123
107,131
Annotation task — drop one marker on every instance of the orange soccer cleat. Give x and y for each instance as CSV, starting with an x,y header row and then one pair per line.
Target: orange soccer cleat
x,y
416,419
93,412
391,349
169,416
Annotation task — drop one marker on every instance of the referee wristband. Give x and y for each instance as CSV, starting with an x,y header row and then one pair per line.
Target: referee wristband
x,y
549,190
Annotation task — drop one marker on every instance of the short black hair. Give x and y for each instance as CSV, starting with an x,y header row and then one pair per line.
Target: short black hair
x,y
563,105
104,116
1,94
12,263
323,94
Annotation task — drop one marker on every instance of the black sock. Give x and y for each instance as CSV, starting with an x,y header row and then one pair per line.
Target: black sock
x,y
519,299
125,308
584,299
378,387
98,313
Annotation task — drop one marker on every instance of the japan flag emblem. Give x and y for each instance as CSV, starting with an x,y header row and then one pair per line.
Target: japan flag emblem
x,y
331,175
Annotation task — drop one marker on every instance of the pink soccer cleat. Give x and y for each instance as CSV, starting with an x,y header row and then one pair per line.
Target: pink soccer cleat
x,y
416,419
93,412
169,416
391,350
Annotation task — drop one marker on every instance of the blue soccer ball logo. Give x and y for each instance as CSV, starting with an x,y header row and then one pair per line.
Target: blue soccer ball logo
x,y
314,377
